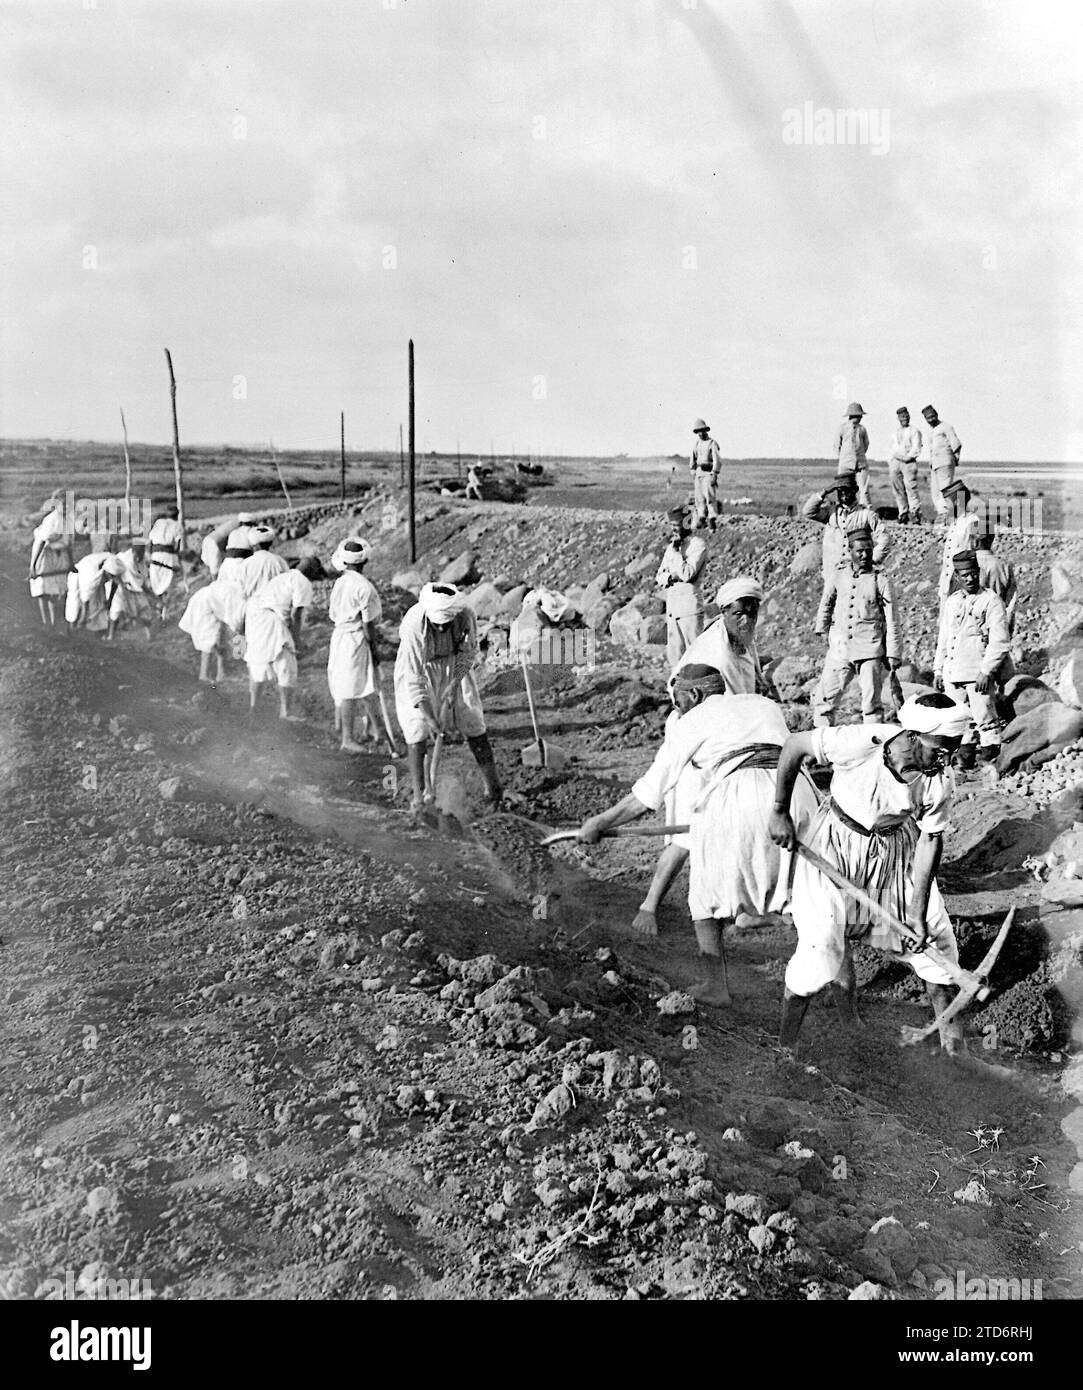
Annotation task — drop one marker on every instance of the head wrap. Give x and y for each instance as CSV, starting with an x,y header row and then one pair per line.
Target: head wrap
x,y
696,676
351,551
440,602
260,535
239,539
949,721
551,603
244,517
741,586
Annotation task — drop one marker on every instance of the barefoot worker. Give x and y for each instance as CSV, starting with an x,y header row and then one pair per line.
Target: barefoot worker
x,y
272,624
882,827
50,561
165,540
89,591
214,614
733,743
353,661
435,688
729,647
263,564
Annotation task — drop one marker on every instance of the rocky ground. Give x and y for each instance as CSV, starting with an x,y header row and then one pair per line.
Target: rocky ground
x,y
264,1039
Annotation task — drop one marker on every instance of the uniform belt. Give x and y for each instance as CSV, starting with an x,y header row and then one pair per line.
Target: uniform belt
x,y
705,467
851,824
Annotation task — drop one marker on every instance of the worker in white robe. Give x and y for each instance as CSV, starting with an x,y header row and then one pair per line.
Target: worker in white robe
x,y
214,615
90,591
238,548
212,551
273,619
883,827
131,599
263,564
435,687
728,646
50,561
733,742
165,540
353,657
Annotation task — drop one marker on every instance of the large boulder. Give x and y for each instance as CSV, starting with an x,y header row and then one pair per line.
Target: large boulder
x,y
1027,692
1070,685
1062,582
512,601
652,631
643,565
624,625
462,570
1038,736
808,559
486,600
592,593
791,675
597,616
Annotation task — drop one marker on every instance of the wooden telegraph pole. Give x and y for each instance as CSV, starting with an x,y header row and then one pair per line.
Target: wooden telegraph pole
x,y
342,448
128,464
402,462
412,519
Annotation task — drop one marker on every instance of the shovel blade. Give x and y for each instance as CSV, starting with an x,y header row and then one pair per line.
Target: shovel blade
x,y
542,754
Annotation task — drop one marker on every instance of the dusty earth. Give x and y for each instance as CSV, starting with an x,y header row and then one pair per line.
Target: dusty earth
x,y
264,1039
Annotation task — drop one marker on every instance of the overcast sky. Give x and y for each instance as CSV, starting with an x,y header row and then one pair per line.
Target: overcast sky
x,y
589,216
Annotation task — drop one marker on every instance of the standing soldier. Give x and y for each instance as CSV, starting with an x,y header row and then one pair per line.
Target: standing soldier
x,y
902,467
705,463
851,450
963,533
50,561
165,540
970,649
679,575
839,520
857,615
944,452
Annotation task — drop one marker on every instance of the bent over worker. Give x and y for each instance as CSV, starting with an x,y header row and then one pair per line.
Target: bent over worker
x,y
732,742
273,620
883,827
435,687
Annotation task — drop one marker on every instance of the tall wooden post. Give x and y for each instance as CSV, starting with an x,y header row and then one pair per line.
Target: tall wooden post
x,y
177,477
459,460
127,467
342,448
402,462
412,519
281,479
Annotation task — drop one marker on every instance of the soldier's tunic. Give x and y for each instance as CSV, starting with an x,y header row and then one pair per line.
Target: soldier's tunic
x,y
838,522
859,612
705,463
973,641
679,578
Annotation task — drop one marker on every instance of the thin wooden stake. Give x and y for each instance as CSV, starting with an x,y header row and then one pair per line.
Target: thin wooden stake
x,y
127,467
177,474
413,461
402,462
342,446
282,481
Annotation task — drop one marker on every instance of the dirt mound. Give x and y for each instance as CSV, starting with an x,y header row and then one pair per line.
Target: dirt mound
x,y
560,798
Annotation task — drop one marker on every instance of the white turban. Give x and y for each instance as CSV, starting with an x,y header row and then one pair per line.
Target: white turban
x,y
239,538
552,604
440,602
949,722
244,517
351,551
260,535
740,587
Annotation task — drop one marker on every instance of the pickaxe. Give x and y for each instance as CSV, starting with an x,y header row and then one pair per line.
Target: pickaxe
x,y
913,1035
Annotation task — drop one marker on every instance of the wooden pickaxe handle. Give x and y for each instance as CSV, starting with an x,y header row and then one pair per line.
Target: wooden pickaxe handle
x,y
619,831
963,978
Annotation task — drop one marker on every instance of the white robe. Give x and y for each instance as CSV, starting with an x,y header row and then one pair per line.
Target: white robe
x,y
232,567
735,867
212,610
354,602
269,646
882,864
129,596
740,670
50,577
163,560
86,584
258,568
419,676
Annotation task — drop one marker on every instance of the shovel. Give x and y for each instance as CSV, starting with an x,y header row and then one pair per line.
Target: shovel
x,y
539,753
